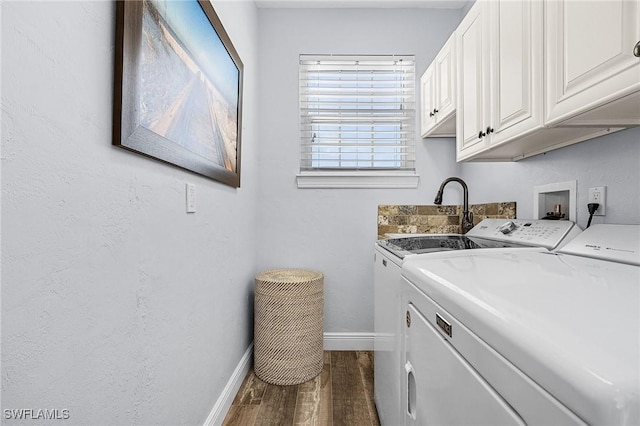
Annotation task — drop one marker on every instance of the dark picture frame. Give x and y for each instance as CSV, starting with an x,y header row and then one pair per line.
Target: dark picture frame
x,y
178,87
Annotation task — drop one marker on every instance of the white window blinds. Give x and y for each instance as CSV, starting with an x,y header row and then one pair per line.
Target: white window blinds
x,y
357,112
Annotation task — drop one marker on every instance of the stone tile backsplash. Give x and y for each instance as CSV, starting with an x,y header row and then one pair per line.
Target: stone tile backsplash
x,y
410,219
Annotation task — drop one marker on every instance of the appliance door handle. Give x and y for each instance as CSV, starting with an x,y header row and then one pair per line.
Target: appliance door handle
x,y
411,390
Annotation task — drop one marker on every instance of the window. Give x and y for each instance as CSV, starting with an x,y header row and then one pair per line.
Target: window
x,y
357,115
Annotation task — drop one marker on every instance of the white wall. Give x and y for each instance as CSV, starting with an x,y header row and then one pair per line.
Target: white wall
x,y
116,304
333,230
612,161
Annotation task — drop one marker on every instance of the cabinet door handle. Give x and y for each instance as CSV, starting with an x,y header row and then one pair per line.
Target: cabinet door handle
x,y
431,114
489,129
636,50
481,134
384,262
435,111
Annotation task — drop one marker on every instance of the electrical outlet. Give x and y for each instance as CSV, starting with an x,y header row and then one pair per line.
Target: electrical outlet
x,y
598,195
191,198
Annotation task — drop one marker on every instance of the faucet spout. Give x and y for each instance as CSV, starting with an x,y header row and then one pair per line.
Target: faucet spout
x,y
438,199
467,216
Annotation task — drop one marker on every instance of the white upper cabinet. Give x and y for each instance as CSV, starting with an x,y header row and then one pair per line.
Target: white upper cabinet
x,y
428,100
501,88
500,59
593,76
515,78
438,94
472,62
445,64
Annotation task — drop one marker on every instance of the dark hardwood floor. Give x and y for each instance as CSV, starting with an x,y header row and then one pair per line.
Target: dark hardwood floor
x,y
341,395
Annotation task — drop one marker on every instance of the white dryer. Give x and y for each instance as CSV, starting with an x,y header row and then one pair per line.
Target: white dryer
x,y
525,336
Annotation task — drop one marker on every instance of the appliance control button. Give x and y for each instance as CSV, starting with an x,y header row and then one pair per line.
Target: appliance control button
x,y
507,227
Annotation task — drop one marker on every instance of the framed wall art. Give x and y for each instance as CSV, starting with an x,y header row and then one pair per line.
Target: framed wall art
x,y
178,87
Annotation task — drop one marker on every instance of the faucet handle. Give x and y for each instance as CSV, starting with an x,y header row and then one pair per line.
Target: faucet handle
x,y
467,222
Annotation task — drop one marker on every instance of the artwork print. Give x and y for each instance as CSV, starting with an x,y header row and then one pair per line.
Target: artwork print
x,y
178,87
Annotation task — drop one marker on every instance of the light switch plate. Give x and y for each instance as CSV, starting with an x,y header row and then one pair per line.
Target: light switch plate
x,y
191,198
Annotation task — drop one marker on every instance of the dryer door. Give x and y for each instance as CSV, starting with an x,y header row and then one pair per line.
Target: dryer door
x,y
441,387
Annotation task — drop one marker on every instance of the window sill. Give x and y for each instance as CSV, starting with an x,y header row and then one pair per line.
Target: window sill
x,y
355,179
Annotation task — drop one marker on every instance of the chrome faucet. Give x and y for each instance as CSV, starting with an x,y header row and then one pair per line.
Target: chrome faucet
x,y
467,216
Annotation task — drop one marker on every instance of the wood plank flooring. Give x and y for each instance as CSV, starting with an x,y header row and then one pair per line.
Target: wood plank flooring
x,y
341,395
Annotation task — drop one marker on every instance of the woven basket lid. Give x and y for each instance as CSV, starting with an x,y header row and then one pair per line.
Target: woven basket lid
x,y
289,275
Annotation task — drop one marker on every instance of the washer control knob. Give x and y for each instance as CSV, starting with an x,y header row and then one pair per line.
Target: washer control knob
x,y
507,227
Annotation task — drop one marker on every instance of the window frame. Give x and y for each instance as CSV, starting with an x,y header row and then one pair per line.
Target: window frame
x,y
367,177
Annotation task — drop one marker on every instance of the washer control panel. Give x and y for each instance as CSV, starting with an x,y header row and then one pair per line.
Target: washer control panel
x,y
542,233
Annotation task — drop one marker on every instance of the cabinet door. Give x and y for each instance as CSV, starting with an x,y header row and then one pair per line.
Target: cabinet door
x,y
438,89
446,80
427,100
515,52
589,54
470,53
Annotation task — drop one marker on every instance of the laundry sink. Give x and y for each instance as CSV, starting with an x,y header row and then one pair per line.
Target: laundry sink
x,y
427,243
389,235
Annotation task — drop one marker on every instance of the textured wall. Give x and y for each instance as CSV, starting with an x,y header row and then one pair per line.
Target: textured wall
x,y
333,230
116,304
612,161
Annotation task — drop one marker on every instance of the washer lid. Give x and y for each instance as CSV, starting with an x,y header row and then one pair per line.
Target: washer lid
x,y
570,323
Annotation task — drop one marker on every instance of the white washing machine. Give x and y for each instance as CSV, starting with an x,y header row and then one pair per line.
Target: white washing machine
x,y
389,312
525,337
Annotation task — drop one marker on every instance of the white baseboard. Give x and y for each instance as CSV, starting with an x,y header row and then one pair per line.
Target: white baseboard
x,y
348,341
220,409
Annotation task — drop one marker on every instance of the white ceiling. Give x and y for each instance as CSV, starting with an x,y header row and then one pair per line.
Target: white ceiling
x,y
436,4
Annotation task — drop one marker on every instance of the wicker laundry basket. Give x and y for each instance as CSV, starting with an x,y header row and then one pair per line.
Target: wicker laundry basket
x,y
288,325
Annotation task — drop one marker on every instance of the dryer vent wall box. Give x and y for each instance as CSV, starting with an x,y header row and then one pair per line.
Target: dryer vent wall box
x,y
556,201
